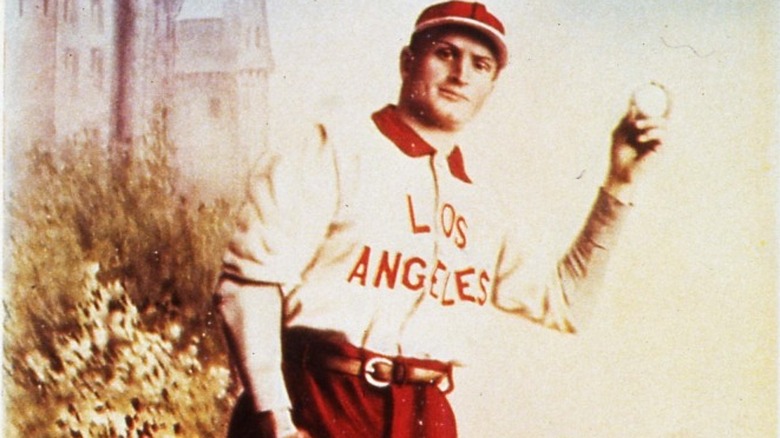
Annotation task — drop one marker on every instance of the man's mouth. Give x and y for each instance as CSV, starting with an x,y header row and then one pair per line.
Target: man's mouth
x,y
451,94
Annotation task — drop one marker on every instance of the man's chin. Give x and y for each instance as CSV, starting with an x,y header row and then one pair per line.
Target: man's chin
x,y
450,117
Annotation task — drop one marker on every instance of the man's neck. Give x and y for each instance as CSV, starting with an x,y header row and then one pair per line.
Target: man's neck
x,y
439,139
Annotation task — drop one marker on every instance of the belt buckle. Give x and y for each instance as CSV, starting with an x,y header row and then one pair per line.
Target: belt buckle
x,y
446,385
370,368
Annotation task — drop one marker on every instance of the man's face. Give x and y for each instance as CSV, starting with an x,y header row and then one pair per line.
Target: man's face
x,y
447,79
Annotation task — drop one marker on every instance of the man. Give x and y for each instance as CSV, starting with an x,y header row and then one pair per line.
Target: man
x,y
363,255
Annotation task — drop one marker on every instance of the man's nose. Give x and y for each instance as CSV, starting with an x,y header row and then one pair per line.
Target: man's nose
x,y
460,70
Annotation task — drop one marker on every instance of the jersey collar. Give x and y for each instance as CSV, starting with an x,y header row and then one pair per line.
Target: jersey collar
x,y
409,142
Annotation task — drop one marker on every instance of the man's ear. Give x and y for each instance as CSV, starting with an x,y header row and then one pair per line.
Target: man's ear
x,y
406,60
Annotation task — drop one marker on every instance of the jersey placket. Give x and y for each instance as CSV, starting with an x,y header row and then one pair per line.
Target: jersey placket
x,y
438,168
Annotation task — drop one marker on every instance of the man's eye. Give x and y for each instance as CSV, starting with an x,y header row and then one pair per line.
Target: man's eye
x,y
484,66
444,53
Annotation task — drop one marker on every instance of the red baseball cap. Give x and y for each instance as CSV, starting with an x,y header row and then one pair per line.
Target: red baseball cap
x,y
470,14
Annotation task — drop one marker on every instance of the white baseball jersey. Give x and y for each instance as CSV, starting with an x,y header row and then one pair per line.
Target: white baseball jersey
x,y
378,237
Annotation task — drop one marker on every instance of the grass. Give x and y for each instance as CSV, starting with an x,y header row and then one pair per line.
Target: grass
x,y
109,327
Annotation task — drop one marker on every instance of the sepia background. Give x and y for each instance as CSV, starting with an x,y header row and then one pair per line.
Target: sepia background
x,y
685,342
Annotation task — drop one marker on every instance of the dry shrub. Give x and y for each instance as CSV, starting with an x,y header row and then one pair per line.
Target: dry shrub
x,y
110,329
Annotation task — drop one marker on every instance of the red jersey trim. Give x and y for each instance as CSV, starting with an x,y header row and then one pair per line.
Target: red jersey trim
x,y
410,143
457,167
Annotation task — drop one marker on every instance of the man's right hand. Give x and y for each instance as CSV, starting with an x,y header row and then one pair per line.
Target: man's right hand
x,y
252,317
278,424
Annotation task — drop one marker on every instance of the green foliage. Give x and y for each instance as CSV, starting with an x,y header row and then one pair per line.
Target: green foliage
x,y
95,240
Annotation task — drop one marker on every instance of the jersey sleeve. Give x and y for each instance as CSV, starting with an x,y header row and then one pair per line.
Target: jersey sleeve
x,y
561,298
291,199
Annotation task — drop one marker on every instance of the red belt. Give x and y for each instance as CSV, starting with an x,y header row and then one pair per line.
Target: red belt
x,y
378,370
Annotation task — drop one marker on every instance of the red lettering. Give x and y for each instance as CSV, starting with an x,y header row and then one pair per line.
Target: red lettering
x,y
447,219
390,272
460,239
453,223
416,229
434,280
462,282
484,279
407,271
413,277
361,267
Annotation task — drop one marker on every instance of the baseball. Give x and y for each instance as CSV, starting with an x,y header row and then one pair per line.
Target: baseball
x,y
651,100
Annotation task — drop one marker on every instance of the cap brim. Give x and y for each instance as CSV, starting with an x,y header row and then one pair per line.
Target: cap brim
x,y
495,36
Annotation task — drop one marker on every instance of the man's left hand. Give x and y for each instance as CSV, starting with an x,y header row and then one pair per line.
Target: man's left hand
x,y
634,142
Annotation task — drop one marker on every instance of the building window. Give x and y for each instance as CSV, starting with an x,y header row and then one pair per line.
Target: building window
x,y
97,68
96,8
257,37
215,107
46,8
69,11
21,7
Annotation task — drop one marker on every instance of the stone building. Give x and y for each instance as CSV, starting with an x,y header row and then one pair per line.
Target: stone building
x,y
110,66
222,63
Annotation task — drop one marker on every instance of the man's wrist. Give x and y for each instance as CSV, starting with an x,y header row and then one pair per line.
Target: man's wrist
x,y
620,190
276,422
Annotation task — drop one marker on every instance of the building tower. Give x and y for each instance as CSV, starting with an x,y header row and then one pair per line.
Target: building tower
x,y
144,45
219,111
108,67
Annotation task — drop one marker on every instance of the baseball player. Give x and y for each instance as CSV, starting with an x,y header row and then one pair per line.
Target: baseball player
x,y
366,256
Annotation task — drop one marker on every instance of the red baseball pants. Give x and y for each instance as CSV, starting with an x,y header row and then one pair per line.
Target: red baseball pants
x,y
329,404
